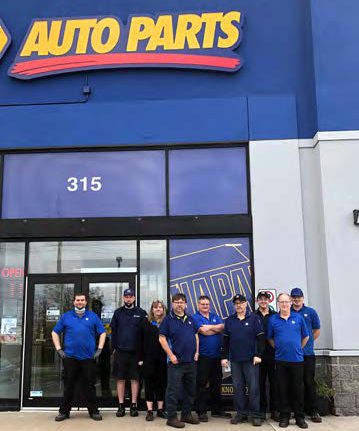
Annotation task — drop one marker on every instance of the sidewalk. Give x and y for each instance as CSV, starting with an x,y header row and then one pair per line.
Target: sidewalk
x,y
44,421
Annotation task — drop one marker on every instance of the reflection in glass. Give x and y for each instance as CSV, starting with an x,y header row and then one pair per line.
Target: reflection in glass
x,y
82,257
104,299
50,302
153,277
12,256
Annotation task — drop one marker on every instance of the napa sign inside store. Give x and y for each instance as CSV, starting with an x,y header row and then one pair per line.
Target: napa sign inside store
x,y
185,40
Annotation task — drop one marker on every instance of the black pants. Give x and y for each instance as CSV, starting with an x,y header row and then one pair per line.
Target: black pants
x,y
310,393
266,372
209,382
156,382
74,370
289,376
181,382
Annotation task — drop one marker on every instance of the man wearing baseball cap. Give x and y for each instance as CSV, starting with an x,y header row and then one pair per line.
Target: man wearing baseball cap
x,y
312,321
244,344
125,326
266,367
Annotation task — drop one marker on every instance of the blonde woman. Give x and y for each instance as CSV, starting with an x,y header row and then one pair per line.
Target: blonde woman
x,y
154,361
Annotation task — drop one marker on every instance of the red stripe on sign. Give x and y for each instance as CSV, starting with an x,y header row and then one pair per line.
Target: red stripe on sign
x,y
36,67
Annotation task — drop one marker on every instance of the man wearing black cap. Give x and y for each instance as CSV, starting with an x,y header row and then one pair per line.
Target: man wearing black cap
x,y
312,321
266,367
125,326
243,345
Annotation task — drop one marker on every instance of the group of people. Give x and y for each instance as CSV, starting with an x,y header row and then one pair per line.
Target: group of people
x,y
181,358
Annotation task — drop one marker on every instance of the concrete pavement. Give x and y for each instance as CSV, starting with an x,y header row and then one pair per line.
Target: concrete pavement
x,y
44,421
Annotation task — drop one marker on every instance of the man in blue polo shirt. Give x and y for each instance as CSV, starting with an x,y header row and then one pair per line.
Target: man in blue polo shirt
x,y
209,368
312,321
80,327
179,339
244,345
288,334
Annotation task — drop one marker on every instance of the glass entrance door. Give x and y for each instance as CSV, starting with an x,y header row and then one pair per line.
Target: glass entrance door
x,y
48,297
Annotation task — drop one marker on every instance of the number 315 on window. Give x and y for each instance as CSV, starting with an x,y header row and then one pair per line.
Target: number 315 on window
x,y
84,184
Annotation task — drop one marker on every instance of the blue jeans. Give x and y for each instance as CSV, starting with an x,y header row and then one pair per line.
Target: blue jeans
x,y
246,374
181,383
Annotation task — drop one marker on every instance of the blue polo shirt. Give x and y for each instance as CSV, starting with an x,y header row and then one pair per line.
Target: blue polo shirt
x,y
180,334
243,336
287,335
80,333
209,345
312,321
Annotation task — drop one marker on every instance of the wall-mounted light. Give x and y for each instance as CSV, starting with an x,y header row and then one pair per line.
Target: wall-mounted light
x,y
356,216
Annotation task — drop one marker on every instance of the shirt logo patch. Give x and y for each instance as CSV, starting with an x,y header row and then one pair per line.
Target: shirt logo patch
x,y
87,318
305,315
293,321
247,323
190,323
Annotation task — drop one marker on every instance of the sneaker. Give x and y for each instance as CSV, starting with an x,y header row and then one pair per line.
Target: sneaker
x,y
316,418
238,420
121,411
175,423
133,410
161,414
149,416
62,416
96,416
256,422
283,422
202,417
224,415
301,423
190,419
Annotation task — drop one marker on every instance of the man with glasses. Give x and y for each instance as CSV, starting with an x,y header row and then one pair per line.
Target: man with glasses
x,y
179,339
288,334
209,368
312,321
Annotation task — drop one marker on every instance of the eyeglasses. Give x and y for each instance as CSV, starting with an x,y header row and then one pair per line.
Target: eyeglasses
x,y
283,302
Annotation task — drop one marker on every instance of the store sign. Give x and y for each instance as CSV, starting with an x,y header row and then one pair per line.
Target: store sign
x,y
185,40
5,39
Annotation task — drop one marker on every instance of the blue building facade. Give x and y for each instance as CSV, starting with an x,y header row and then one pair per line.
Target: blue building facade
x,y
220,160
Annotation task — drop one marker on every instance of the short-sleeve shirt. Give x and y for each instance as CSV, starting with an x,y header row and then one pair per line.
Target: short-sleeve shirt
x,y
180,334
243,336
80,333
209,345
312,321
287,335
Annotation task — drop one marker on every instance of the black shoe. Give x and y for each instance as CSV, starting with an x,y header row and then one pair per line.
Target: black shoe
x,y
175,423
133,411
256,422
283,422
161,414
149,416
275,416
316,418
238,420
96,416
121,411
203,417
224,415
190,419
301,423
62,416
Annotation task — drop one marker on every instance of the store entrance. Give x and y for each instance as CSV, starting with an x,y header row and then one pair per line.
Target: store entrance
x,y
48,297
